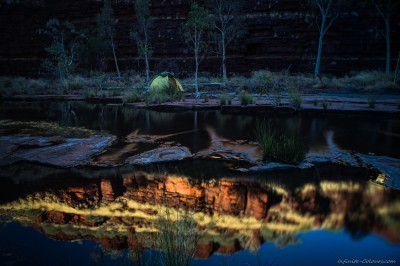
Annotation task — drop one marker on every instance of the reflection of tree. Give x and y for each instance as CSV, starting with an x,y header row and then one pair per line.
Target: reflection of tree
x,y
68,115
360,218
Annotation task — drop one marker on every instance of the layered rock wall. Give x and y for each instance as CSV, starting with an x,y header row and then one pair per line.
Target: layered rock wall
x,y
280,34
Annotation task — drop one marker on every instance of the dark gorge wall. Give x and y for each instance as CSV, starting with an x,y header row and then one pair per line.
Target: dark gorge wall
x,y
280,34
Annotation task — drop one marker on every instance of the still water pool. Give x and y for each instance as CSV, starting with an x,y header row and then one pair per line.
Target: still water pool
x,y
91,215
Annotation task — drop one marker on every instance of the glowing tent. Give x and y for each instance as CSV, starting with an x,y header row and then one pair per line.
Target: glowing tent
x,y
165,82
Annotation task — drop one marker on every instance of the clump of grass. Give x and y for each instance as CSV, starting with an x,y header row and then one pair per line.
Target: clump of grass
x,y
206,98
277,145
225,99
371,102
245,98
157,97
368,78
324,103
90,94
238,82
277,98
295,98
133,97
264,81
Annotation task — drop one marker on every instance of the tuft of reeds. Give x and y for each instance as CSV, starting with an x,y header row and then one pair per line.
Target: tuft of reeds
x,y
295,98
277,145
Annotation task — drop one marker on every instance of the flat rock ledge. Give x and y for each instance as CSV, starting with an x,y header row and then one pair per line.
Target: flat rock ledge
x,y
62,152
165,154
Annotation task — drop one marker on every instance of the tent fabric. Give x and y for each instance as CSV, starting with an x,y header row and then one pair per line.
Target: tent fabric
x,y
165,81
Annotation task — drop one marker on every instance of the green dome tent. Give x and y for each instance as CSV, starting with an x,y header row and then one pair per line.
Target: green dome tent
x,y
165,82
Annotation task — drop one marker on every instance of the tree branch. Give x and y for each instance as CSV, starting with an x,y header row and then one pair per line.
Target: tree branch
x,y
379,10
330,22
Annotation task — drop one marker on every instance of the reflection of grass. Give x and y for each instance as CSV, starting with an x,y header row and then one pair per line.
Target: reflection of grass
x,y
279,146
177,238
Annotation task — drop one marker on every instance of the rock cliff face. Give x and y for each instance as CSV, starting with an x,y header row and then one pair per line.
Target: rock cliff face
x,y
280,33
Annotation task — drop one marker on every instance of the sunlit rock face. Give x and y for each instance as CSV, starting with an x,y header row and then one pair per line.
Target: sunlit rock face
x,y
231,214
279,34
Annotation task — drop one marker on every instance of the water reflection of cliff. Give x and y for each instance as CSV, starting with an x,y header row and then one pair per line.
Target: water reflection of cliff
x,y
233,214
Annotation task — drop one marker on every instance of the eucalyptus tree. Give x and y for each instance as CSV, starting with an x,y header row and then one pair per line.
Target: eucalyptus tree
x,y
141,33
386,9
228,24
329,11
106,23
194,32
63,49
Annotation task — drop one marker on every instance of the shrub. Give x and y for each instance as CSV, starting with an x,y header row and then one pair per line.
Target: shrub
x,y
238,81
90,94
19,84
78,83
263,80
366,78
295,98
245,98
277,145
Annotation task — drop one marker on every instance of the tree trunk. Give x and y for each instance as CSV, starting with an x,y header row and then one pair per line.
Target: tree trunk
x,y
224,76
115,57
320,42
397,70
146,58
196,82
387,45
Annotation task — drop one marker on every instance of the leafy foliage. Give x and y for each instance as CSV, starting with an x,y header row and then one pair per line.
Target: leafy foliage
x,y
62,51
106,26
